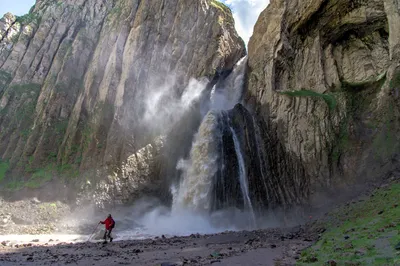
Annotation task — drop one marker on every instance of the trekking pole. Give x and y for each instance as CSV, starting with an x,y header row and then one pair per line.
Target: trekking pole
x,y
93,232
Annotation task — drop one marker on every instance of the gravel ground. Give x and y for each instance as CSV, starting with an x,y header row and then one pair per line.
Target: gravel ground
x,y
262,247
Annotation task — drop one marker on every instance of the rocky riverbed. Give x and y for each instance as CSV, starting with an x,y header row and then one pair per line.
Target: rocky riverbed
x,y
263,247
31,216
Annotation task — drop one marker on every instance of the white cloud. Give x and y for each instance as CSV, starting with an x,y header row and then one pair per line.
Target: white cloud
x,y
246,13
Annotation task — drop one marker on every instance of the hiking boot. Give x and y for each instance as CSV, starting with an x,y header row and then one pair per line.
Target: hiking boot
x,y
111,239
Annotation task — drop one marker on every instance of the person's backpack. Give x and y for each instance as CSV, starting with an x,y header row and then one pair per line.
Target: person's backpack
x,y
113,224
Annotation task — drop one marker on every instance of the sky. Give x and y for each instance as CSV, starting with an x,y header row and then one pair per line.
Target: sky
x,y
17,7
245,12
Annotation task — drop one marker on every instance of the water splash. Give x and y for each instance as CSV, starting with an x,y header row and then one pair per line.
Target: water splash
x,y
196,189
196,186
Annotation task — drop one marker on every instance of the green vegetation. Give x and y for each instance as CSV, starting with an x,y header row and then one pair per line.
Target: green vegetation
x,y
68,171
87,133
328,98
364,233
14,185
221,6
4,166
39,177
15,38
29,18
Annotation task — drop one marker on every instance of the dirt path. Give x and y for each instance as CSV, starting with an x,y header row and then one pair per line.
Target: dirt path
x,y
262,247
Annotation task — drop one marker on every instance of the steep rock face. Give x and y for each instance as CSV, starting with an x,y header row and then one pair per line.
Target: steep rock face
x,y
78,79
323,81
268,187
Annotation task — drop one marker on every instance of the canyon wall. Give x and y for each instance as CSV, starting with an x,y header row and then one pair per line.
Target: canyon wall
x,y
323,82
83,84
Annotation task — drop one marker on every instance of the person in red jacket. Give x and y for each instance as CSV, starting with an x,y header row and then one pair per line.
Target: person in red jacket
x,y
109,225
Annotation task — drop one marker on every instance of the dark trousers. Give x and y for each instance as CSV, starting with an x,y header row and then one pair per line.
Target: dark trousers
x,y
107,233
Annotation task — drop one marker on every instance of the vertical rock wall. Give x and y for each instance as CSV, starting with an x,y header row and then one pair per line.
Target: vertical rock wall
x,y
76,78
323,81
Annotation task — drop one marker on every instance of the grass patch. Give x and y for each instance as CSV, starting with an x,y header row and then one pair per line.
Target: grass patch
x,y
14,185
329,99
4,166
68,171
364,233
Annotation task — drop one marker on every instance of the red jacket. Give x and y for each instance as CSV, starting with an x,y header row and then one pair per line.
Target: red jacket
x,y
108,223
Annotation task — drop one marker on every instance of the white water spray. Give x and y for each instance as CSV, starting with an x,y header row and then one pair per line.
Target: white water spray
x,y
194,192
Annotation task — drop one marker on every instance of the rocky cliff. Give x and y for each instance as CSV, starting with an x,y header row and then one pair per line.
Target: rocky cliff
x,y
81,79
323,81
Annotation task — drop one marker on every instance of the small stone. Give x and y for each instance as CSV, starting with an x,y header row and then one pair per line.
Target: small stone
x,y
348,246
35,240
331,263
29,259
360,252
379,213
4,243
273,246
346,237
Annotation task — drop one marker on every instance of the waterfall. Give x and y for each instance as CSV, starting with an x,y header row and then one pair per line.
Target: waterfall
x,y
243,177
214,177
195,189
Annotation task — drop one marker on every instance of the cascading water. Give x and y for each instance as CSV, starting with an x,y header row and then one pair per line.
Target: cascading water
x,y
205,186
195,188
243,178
